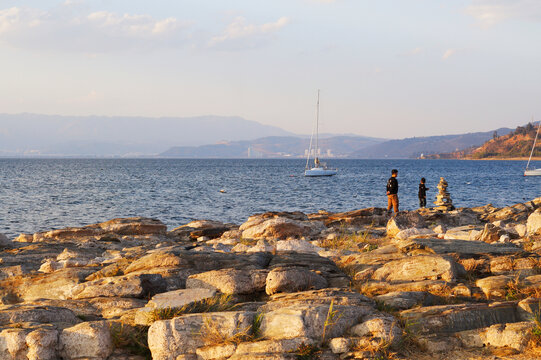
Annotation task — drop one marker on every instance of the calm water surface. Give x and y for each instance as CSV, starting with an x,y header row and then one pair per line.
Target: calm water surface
x,y
43,194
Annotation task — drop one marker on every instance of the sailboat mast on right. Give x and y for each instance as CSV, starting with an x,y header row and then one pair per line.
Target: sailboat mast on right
x,y
528,171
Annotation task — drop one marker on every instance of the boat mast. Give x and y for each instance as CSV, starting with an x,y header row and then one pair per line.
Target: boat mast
x,y
534,142
316,160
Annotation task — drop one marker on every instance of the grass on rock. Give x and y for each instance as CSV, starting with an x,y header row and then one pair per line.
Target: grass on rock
x,y
216,303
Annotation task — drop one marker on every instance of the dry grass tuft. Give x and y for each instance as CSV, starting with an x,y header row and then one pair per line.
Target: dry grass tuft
x,y
212,335
214,304
134,339
306,352
516,290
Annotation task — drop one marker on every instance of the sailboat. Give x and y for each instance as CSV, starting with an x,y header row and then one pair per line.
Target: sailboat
x,y
319,168
528,171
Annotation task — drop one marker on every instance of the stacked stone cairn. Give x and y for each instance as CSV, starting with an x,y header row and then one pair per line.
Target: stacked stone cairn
x,y
443,199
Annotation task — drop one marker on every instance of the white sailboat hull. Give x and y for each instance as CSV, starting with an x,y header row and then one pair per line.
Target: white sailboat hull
x,y
318,171
532,172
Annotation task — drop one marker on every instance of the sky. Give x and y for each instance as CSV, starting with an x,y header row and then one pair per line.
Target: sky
x,y
386,68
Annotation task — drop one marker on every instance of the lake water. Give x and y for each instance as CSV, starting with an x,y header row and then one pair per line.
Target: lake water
x,y
43,194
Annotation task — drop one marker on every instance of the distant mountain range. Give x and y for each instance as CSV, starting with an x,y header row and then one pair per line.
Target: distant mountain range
x,y
35,135
200,137
516,144
411,148
273,147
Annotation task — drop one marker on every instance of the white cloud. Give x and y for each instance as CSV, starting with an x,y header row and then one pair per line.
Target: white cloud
x,y
491,12
97,32
240,34
413,52
448,53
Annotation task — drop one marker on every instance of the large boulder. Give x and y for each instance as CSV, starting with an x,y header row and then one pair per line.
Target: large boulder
x,y
5,242
445,319
533,225
88,340
37,343
495,286
383,327
280,226
183,335
14,314
195,229
311,321
424,267
291,279
133,226
403,221
155,260
137,286
403,300
512,335
171,300
297,245
230,281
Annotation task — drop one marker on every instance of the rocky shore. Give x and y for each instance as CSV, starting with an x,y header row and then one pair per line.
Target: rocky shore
x,y
426,284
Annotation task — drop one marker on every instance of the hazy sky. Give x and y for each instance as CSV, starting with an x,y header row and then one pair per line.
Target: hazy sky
x,y
386,68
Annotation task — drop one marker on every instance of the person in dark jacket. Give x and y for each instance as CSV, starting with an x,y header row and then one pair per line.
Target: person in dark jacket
x,y
392,192
422,193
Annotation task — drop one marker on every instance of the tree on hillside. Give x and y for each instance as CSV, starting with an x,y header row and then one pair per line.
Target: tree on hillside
x,y
495,135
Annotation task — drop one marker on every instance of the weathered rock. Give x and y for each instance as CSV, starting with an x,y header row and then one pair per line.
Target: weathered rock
x,y
280,226
263,349
455,318
466,232
12,314
137,286
168,339
425,267
230,281
171,300
37,343
200,228
292,280
301,246
309,321
5,242
414,232
133,226
88,340
404,221
318,297
216,352
383,327
402,300
379,287
491,233
154,260
56,285
355,219
464,248
512,335
494,286
112,307
534,222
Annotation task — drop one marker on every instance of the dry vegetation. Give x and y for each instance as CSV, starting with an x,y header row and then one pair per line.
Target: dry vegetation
x,y
216,303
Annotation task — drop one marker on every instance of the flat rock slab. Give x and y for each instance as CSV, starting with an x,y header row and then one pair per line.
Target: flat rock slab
x,y
416,268
171,339
13,314
455,318
464,248
513,335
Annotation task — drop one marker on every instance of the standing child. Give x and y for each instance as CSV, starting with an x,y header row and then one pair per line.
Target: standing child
x,y
422,193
